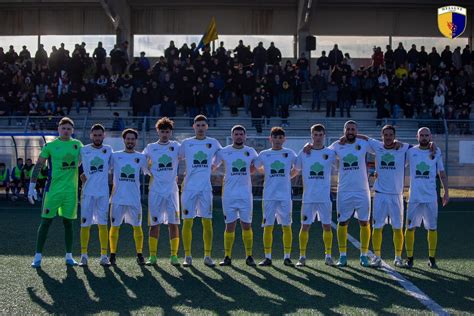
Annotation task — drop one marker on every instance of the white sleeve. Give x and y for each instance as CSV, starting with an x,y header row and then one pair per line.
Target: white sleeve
x,y
299,161
439,161
258,161
144,167
181,152
374,144
334,145
217,160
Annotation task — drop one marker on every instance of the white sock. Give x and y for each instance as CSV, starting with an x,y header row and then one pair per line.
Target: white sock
x,y
342,254
68,256
364,254
398,257
103,256
302,257
327,256
287,256
83,255
268,256
38,256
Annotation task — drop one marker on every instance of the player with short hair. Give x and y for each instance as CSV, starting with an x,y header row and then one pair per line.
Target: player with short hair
x,y
423,200
60,198
125,200
237,199
315,168
353,195
163,196
5,179
16,177
196,196
95,193
277,163
388,198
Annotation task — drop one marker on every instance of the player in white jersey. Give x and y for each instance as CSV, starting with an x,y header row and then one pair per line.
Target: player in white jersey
x,y
95,192
422,203
163,196
315,168
196,196
237,199
277,163
353,195
125,201
388,198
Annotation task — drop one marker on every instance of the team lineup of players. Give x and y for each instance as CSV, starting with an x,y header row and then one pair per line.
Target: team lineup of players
x,y
279,165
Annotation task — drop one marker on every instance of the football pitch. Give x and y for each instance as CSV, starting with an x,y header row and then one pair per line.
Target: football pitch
x,y
239,289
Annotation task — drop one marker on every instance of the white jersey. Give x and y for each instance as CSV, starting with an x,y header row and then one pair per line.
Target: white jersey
x,y
390,167
237,178
316,174
126,169
277,165
199,155
352,166
423,171
96,165
163,163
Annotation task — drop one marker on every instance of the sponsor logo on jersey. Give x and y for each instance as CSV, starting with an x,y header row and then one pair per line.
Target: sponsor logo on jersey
x,y
165,163
97,165
200,160
277,169
387,162
239,168
127,173
68,162
422,171
316,171
350,162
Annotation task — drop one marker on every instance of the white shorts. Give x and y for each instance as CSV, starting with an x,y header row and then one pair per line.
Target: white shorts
x,y
196,204
353,203
94,210
388,209
281,210
163,209
235,209
426,212
309,211
125,213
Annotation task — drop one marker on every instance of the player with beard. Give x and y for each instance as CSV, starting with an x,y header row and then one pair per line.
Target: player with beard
x,y
353,195
423,200
237,199
95,193
125,201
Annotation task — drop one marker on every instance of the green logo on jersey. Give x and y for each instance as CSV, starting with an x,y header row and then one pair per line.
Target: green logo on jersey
x,y
200,159
68,162
277,169
317,169
127,173
97,165
388,160
165,161
239,168
422,170
350,162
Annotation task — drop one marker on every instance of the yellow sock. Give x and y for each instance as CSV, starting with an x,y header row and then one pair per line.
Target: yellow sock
x,y
409,241
138,237
364,239
247,237
327,238
267,239
304,236
187,235
207,235
398,241
342,238
432,242
174,245
152,245
228,243
287,239
114,236
85,235
377,241
103,239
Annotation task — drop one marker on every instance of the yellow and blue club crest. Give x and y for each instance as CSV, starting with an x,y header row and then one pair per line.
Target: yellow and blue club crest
x,y
452,21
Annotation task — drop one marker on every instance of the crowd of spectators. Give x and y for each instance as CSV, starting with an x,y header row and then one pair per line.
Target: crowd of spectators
x,y
257,81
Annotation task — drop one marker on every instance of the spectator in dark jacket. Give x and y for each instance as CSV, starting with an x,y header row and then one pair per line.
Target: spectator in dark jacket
x,y
335,56
318,84
331,98
273,55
